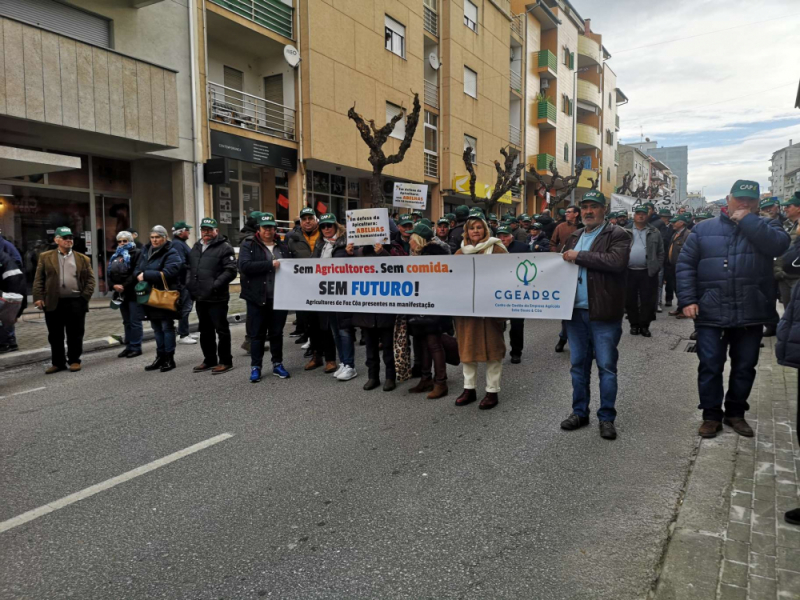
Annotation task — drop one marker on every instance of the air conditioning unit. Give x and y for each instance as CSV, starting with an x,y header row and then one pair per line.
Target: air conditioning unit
x,y
544,84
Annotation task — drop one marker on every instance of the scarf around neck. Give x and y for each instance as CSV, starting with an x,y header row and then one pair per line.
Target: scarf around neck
x,y
124,252
484,247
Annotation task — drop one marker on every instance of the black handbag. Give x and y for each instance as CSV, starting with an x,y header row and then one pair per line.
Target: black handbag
x,y
450,345
424,320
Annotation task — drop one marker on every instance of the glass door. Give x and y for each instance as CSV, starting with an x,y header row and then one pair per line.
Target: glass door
x,y
113,216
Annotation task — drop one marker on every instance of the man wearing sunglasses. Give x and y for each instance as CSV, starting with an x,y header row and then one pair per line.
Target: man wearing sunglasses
x,y
62,287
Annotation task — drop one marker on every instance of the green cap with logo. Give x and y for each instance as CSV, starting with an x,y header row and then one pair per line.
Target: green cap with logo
x,y
702,216
768,202
328,219
267,220
664,212
426,222
256,215
462,212
443,221
536,226
525,218
641,208
451,216
746,189
209,222
63,231
504,229
562,212
594,196
492,217
307,211
684,217
180,225
423,231
405,220
511,219
416,213
793,201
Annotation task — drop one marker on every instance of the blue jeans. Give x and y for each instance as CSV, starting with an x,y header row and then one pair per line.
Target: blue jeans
x,y
265,320
601,338
743,344
345,342
132,313
164,330
186,306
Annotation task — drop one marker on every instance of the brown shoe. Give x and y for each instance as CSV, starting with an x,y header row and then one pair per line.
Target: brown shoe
x,y
739,425
331,366
221,369
439,391
203,367
75,367
466,397
54,369
489,401
709,429
425,385
674,313
314,363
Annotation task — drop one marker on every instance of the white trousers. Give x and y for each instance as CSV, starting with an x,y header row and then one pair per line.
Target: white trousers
x,y
494,370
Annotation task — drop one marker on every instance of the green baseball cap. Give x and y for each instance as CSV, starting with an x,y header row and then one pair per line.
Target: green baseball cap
x,y
180,225
209,222
562,212
451,216
503,229
767,202
328,218
423,231
417,213
476,210
793,201
268,214
256,215
664,212
307,211
703,215
267,220
641,208
684,217
462,211
492,217
649,205
426,222
622,214
536,226
62,231
405,220
526,218
443,221
594,196
746,189
511,219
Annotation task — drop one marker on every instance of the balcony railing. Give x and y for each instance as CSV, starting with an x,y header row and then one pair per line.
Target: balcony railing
x,y
616,122
542,161
232,107
545,58
272,14
514,135
431,94
430,20
516,81
589,92
516,24
546,110
431,165
516,191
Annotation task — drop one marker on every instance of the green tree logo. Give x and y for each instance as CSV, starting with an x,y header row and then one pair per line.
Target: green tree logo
x,y
526,272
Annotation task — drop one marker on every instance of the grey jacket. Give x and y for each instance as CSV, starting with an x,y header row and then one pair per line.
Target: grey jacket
x,y
654,246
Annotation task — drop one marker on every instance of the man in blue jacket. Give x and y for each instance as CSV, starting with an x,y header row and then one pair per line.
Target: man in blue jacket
x,y
724,283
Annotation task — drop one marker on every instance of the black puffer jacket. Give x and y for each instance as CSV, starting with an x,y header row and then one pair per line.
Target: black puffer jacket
x,y
298,245
788,347
211,271
345,318
164,260
431,324
183,249
126,280
456,236
257,271
548,225
375,320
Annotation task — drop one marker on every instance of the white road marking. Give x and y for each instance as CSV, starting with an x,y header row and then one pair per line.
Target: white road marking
x,y
25,392
109,483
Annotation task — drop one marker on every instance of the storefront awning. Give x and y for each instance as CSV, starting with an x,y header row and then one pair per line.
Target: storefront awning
x,y
482,190
18,162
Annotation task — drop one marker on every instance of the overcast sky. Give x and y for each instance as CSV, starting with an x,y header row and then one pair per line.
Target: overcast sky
x,y
729,96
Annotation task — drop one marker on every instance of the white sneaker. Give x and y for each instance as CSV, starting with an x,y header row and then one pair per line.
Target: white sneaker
x,y
347,374
306,346
195,336
187,340
338,371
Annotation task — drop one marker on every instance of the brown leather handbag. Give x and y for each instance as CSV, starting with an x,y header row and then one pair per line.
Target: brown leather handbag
x,y
165,299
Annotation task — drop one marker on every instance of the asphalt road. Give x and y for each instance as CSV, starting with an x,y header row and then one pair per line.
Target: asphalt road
x,y
327,491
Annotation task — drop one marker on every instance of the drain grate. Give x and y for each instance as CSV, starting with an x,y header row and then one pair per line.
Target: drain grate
x,y
691,347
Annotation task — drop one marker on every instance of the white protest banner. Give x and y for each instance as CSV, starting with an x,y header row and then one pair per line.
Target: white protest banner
x,y
410,195
620,202
367,226
531,286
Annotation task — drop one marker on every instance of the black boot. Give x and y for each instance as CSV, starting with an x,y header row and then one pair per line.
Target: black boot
x,y
169,362
156,363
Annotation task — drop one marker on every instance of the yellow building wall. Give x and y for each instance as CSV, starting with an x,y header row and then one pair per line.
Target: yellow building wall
x,y
609,123
533,41
567,36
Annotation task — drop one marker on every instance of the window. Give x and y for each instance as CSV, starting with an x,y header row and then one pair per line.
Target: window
x,y
566,55
567,104
571,61
61,18
609,99
566,152
471,15
608,174
470,82
471,142
431,133
609,137
395,37
399,131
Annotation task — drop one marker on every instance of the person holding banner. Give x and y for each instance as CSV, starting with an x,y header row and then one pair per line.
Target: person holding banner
x,y
301,245
559,237
337,328
601,250
480,340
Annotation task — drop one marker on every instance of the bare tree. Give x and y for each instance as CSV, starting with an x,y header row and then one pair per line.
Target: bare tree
x,y
560,187
375,137
508,175
627,182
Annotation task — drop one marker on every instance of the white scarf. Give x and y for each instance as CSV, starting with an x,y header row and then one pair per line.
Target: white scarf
x,y
484,247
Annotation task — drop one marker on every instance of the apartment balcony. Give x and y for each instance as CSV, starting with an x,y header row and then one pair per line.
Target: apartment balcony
x,y
232,107
516,81
431,94
589,52
589,93
517,25
546,115
587,136
616,122
431,165
430,21
542,162
546,64
272,14
54,80
514,135
516,191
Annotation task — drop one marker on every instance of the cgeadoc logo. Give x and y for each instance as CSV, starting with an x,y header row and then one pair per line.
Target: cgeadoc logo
x,y
526,272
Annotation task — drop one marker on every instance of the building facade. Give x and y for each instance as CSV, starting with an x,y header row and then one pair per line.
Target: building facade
x,y
783,171
676,157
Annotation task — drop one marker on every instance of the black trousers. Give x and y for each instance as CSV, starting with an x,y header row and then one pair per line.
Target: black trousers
x,y
69,317
641,297
517,336
373,338
213,321
264,319
322,342
670,278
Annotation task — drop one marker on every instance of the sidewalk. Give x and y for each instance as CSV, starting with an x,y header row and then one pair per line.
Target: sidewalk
x,y
729,541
